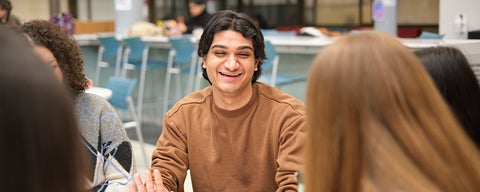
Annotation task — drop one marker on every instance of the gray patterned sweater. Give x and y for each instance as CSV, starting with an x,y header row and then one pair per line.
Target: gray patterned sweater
x,y
110,150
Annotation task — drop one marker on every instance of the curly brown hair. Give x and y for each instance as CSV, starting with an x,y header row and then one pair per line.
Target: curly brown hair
x,y
65,49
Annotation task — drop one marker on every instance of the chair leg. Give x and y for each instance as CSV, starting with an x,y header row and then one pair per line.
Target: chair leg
x,y
178,80
141,89
166,91
168,76
97,74
125,63
199,76
274,71
118,61
168,79
191,73
99,65
138,129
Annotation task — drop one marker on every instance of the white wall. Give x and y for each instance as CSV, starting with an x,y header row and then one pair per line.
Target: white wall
x,y
449,9
101,10
29,9
127,14
35,9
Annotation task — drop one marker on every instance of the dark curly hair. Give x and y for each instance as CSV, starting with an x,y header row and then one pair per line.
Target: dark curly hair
x,y
65,49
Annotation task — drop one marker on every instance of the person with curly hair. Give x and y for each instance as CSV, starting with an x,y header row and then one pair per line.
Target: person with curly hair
x,y
106,139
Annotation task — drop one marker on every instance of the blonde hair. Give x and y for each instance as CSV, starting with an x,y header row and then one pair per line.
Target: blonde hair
x,y
376,122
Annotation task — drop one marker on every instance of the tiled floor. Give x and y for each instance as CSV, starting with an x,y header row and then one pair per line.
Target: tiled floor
x,y
150,131
141,167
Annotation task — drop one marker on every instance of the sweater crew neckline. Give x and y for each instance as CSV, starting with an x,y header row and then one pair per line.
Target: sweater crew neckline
x,y
242,110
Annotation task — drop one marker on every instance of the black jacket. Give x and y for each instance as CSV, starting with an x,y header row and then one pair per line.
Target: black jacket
x,y
199,21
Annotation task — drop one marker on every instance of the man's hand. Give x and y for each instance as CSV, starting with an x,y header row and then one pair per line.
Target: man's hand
x,y
152,184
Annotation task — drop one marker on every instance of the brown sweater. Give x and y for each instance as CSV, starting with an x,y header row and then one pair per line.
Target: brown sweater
x,y
255,148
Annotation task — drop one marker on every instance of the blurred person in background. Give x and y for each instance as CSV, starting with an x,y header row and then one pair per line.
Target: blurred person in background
x,y
198,17
458,84
261,21
39,136
6,16
108,145
376,122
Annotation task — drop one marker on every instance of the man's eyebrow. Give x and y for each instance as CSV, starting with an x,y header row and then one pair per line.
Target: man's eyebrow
x,y
239,48
245,47
218,46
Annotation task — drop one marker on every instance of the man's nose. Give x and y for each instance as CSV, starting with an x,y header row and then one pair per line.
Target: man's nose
x,y
231,62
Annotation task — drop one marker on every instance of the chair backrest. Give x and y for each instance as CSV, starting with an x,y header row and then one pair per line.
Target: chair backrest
x,y
111,47
272,56
277,33
121,90
136,47
430,35
185,49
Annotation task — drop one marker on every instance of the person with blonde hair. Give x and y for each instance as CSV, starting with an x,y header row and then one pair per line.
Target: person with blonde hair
x,y
376,122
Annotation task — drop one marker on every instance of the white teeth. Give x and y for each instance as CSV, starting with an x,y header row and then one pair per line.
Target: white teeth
x,y
230,75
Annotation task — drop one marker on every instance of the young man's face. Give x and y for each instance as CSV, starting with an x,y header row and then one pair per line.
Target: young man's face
x,y
230,62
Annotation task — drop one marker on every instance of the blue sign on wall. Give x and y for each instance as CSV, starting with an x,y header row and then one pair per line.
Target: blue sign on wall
x,y
377,11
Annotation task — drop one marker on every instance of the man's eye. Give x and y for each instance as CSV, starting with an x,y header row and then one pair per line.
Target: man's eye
x,y
219,53
244,55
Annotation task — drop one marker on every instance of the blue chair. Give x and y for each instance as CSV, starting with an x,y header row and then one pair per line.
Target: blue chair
x,y
430,35
277,33
182,59
109,55
121,100
135,57
273,78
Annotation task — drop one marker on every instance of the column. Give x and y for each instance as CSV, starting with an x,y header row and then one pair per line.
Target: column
x,y
127,12
385,16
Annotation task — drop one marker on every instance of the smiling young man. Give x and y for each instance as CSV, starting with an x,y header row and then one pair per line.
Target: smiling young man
x,y
237,134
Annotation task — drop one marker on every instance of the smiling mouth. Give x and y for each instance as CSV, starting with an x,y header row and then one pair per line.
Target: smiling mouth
x,y
229,75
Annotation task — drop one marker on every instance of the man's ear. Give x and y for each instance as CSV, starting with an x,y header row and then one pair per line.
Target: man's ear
x,y
204,59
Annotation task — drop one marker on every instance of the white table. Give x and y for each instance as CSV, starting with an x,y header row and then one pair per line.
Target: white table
x,y
100,91
312,45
